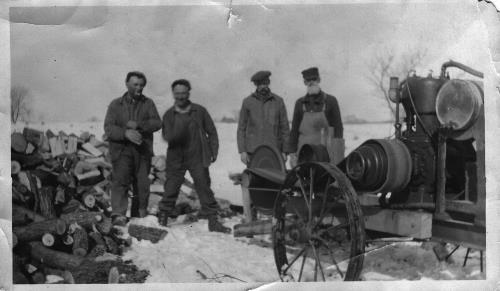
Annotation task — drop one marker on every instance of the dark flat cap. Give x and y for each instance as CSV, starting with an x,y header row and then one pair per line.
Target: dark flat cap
x,y
260,76
310,73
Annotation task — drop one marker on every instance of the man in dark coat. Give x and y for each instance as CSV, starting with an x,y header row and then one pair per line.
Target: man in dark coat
x,y
315,115
193,145
263,120
129,125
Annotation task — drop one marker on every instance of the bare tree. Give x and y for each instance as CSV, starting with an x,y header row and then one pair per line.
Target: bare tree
x,y
385,64
19,103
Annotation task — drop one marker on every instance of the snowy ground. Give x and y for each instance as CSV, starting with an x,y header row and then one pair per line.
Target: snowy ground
x,y
190,253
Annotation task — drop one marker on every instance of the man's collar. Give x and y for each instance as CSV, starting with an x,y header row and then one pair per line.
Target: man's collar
x,y
128,99
315,98
258,96
189,108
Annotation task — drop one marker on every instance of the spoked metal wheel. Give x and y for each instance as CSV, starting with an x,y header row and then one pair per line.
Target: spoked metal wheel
x,y
318,229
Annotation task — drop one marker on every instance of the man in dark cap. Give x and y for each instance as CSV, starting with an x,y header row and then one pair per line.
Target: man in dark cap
x,y
316,118
263,120
193,145
129,125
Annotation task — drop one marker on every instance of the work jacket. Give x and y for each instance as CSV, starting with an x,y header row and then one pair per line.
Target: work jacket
x,y
124,109
182,140
316,103
263,120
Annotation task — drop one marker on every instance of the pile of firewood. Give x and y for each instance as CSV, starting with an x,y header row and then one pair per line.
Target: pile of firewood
x,y
62,230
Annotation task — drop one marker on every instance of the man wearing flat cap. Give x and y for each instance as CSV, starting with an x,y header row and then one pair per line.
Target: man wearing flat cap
x,y
263,121
316,119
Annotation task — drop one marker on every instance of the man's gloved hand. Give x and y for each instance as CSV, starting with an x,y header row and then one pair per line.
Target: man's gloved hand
x,y
131,124
293,160
133,136
244,158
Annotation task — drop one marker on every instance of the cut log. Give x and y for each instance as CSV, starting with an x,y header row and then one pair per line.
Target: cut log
x,y
88,200
148,233
71,145
36,230
56,146
156,188
46,197
21,215
38,277
105,226
66,275
81,242
15,167
114,276
48,240
81,167
68,240
111,245
30,148
27,161
90,178
91,149
54,258
253,228
84,219
18,142
33,136
100,161
19,277
72,206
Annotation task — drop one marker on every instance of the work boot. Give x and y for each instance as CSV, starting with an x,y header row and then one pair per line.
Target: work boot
x,y
163,218
118,220
215,225
143,213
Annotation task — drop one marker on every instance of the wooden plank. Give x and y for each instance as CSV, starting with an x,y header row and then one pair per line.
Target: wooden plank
x,y
92,149
401,222
247,204
368,200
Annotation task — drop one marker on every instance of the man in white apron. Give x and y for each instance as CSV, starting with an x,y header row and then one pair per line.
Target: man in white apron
x,y
316,120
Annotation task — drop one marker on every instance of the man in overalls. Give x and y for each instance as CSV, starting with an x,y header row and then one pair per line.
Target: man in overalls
x,y
193,145
316,116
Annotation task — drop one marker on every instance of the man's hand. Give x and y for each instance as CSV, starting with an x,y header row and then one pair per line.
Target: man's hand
x,y
213,159
133,136
131,124
244,158
285,157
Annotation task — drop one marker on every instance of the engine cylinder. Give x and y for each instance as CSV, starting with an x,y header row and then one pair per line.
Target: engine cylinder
x,y
380,166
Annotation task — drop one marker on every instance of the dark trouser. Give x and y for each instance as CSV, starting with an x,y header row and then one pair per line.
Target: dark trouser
x,y
130,167
201,177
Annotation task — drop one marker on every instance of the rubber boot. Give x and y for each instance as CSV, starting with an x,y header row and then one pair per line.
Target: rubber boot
x,y
215,225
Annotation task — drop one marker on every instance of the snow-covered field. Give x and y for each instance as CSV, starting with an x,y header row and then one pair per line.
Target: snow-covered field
x,y
190,253
228,160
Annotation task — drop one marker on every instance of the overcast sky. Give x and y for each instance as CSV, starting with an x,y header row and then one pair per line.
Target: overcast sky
x,y
74,60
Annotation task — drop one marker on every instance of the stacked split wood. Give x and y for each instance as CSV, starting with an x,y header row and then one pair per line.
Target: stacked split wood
x,y
61,209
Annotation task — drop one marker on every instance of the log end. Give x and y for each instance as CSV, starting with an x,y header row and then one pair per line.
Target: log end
x,y
60,227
